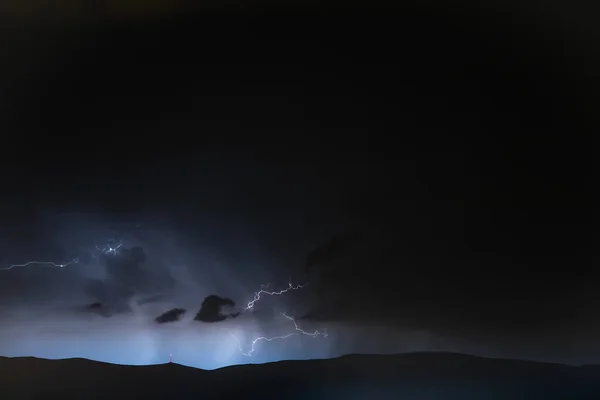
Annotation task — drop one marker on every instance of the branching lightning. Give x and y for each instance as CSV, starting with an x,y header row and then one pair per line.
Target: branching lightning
x,y
109,250
258,339
301,331
262,291
113,250
297,330
34,262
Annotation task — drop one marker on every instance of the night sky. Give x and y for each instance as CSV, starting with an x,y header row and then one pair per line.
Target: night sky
x,y
424,172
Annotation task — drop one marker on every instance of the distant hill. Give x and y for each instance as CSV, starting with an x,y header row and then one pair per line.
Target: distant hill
x,y
405,376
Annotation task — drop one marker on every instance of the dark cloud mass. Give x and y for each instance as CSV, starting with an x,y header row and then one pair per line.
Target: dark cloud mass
x,y
173,315
216,309
109,294
107,310
389,278
98,308
422,169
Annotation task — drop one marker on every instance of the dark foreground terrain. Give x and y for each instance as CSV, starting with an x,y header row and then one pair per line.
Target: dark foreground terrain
x,y
410,376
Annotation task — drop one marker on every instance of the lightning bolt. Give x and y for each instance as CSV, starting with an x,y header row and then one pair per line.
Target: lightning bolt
x,y
262,291
297,331
313,334
255,341
33,262
109,250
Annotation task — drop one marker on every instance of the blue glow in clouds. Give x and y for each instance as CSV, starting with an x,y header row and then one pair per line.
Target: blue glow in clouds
x,y
134,338
265,338
137,341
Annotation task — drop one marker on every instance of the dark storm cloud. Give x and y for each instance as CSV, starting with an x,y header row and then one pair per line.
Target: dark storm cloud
x,y
173,315
340,270
331,250
97,307
386,278
105,310
216,309
108,292
125,278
